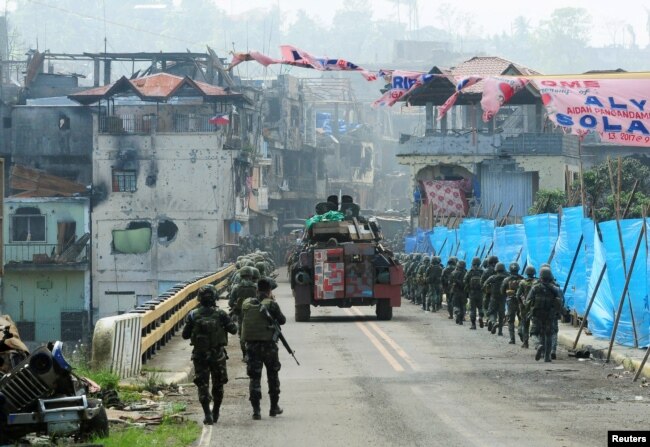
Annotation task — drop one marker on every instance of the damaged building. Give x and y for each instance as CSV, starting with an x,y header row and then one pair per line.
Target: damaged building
x,y
165,181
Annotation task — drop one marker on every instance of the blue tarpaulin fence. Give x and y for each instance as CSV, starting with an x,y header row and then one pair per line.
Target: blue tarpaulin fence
x,y
544,235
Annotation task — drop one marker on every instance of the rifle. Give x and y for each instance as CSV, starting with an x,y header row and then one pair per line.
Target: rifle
x,y
277,334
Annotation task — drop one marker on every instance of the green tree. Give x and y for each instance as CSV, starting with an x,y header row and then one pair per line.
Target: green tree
x,y
548,201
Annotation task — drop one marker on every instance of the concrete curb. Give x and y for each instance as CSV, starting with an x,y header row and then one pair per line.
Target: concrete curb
x,y
619,356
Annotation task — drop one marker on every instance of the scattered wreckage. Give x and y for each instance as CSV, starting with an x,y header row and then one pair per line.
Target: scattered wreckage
x,y
40,394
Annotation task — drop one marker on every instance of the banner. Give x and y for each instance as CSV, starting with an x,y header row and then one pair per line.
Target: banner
x,y
616,109
400,83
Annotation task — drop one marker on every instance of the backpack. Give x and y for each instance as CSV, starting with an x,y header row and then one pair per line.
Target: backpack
x,y
207,332
475,281
546,302
255,324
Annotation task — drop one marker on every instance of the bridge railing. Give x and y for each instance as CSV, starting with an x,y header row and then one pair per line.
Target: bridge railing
x,y
123,343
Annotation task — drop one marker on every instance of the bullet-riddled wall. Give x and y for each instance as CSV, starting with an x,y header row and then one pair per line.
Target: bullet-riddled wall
x,y
160,219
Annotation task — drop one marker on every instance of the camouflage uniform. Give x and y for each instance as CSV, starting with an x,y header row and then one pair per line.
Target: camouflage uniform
x,y
497,307
423,285
245,289
446,284
509,288
489,271
261,350
206,326
434,279
458,293
524,310
472,283
545,304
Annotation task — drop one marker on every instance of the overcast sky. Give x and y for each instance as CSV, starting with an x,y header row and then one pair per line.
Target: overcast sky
x,y
493,16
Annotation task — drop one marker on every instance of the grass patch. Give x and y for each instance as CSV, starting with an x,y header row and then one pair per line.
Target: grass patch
x,y
129,397
103,377
167,434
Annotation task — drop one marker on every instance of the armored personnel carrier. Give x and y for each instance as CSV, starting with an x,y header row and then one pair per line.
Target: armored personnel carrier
x,y
341,262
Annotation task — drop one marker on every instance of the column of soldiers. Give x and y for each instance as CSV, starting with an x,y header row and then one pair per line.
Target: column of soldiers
x,y
207,327
503,297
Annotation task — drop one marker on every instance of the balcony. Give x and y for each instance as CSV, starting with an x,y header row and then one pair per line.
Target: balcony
x,y
471,143
146,124
34,256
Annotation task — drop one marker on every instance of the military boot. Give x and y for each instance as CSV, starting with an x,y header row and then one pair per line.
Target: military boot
x,y
489,326
473,327
207,415
525,345
257,415
480,322
539,353
275,408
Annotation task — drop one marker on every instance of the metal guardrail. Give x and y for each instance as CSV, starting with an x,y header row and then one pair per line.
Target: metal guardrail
x,y
146,124
125,342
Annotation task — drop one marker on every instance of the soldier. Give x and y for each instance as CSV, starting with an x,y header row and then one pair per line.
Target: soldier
x,y
524,310
497,306
544,302
509,288
206,327
446,284
423,285
245,289
410,276
458,293
472,283
261,349
489,271
434,279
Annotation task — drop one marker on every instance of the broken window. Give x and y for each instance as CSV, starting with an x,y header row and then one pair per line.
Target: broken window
x,y
28,225
134,240
124,180
64,122
167,231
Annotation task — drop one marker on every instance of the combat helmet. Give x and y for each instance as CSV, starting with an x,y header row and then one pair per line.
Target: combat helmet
x,y
426,259
530,271
500,267
436,260
514,268
545,274
476,262
493,260
453,260
207,295
246,272
461,264
256,275
261,267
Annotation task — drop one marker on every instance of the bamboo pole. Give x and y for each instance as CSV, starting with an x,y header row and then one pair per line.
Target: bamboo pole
x,y
489,214
505,218
478,211
629,201
498,209
591,302
573,263
647,351
583,196
625,289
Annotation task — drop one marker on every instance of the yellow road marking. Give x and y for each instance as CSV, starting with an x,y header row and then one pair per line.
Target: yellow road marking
x,y
382,350
393,344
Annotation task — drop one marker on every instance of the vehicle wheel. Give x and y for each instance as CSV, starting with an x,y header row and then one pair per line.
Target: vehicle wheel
x,y
97,426
383,310
303,312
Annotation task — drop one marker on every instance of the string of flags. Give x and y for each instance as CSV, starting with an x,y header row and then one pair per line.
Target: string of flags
x,y
613,105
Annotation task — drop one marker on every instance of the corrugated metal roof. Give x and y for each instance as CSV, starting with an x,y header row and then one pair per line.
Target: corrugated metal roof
x,y
156,87
488,66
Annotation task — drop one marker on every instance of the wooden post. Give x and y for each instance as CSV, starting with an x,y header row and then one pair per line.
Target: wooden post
x,y
505,218
582,181
573,263
625,289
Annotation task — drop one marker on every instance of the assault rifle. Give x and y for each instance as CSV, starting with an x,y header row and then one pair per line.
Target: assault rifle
x,y
277,334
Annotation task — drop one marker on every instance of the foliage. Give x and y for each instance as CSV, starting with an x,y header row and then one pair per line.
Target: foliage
x,y
598,188
548,201
105,378
169,434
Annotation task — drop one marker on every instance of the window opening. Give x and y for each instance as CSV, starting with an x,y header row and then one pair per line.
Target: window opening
x,y
64,122
124,180
28,225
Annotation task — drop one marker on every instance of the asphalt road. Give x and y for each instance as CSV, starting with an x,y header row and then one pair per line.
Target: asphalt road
x,y
421,380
